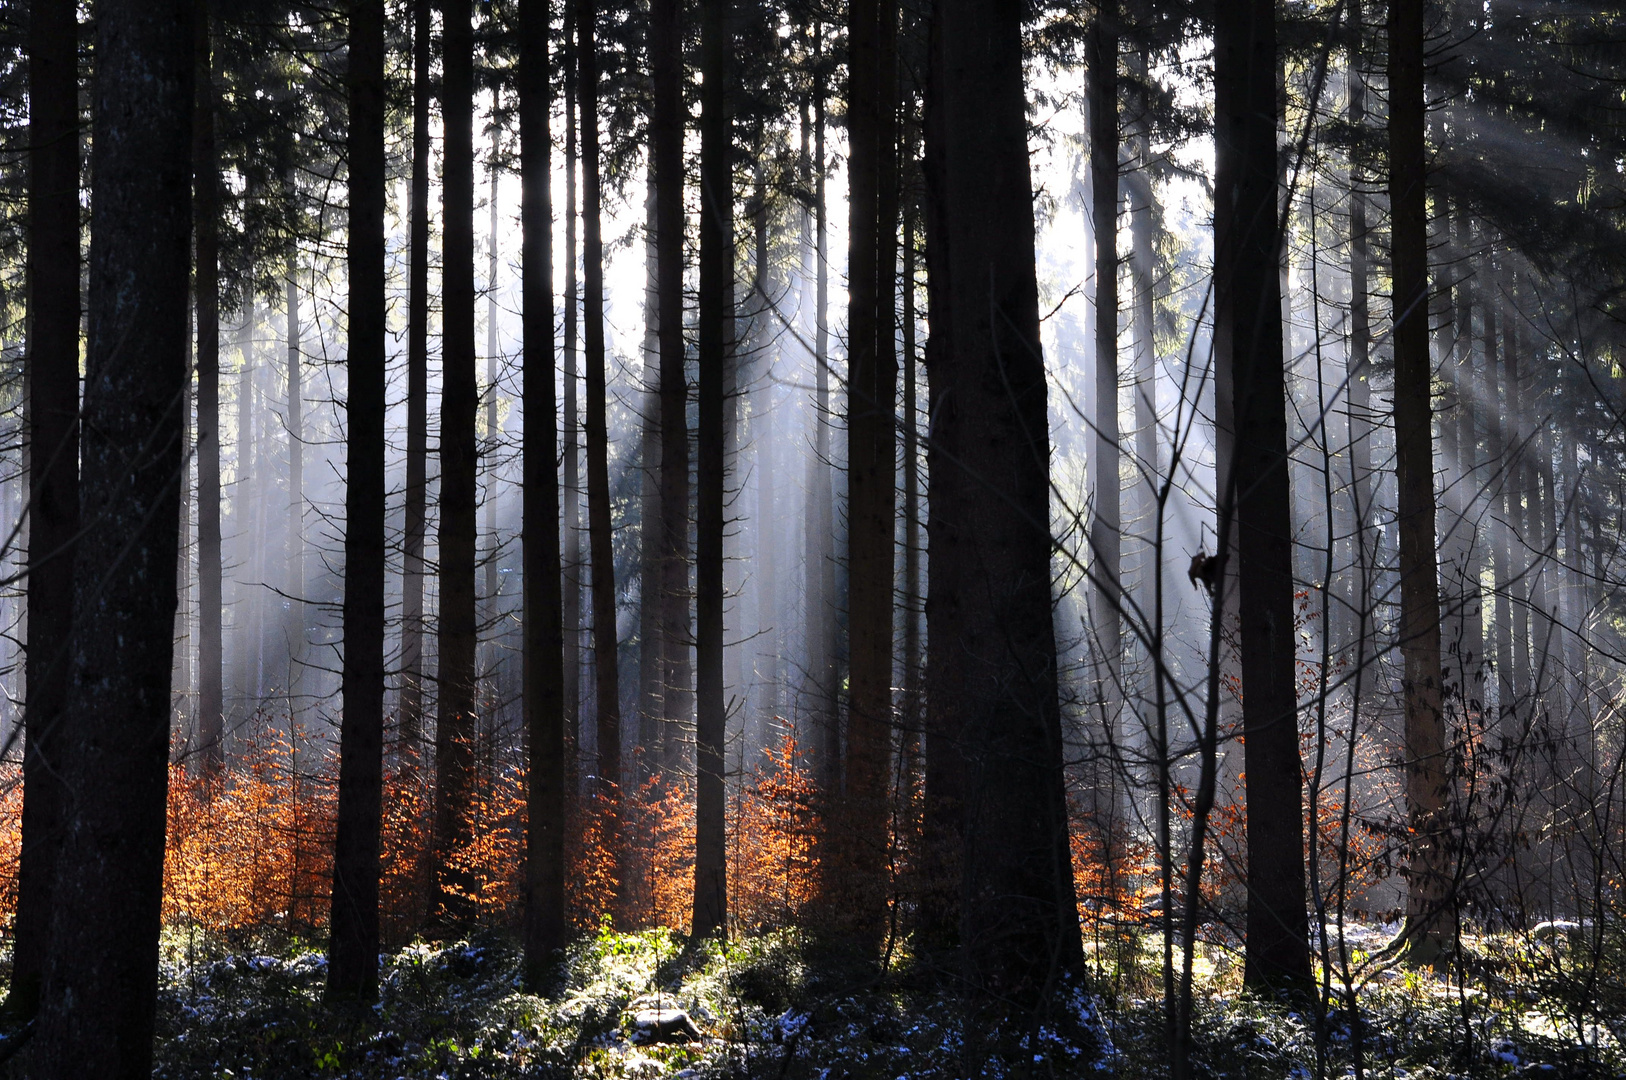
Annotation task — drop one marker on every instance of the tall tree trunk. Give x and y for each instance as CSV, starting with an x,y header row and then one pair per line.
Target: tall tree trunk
x,y
606,665
296,505
769,641
651,642
353,950
244,540
53,469
992,663
414,530
1143,282
572,557
858,886
543,657
100,990
206,206
456,729
1501,558
1428,921
492,617
1106,525
1360,591
823,626
666,166
1252,469
716,298
1517,583
909,702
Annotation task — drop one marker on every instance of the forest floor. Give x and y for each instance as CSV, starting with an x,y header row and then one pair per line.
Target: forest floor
x,y
762,1007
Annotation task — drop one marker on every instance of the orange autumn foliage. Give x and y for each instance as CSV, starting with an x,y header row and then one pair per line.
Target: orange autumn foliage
x,y
773,866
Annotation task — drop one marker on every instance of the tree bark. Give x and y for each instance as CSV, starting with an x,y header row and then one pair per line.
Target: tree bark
x,y
456,728
1253,492
1428,921
353,950
1106,526
1363,555
206,287
295,588
666,124
651,642
857,886
545,932
101,980
415,528
716,298
53,468
992,654
572,558
606,666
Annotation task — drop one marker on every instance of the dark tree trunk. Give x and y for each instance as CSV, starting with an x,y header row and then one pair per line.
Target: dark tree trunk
x,y
1428,921
1106,556
716,298
1360,591
823,627
1496,438
296,501
606,667
572,557
53,464
543,656
992,658
1143,282
353,952
415,528
456,728
101,980
206,207
1254,483
909,702
651,651
666,124
857,886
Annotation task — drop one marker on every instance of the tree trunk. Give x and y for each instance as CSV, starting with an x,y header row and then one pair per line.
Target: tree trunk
x,y
605,659
572,557
716,298
1360,592
53,468
206,204
456,728
823,627
415,528
992,663
1106,525
492,617
666,124
1502,620
1143,282
244,538
1252,468
1428,921
353,952
296,506
651,642
546,932
857,886
100,994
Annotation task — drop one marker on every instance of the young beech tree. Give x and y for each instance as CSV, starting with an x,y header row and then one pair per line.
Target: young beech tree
x,y
101,979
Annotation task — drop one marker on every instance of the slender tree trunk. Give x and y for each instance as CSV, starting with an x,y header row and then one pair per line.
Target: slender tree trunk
x,y
546,932
353,952
415,529
666,166
572,419
909,703
858,886
605,654
1106,525
1143,280
1515,586
716,298
493,580
456,728
1254,484
206,203
769,641
53,469
1361,590
1500,556
823,626
244,539
651,642
100,989
992,664
1427,916
296,502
